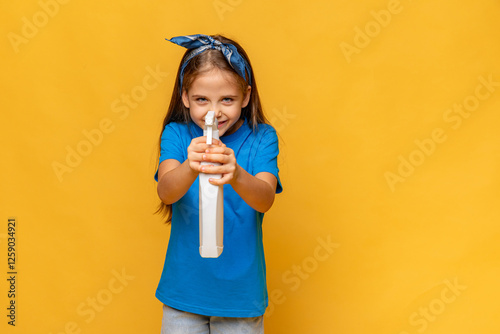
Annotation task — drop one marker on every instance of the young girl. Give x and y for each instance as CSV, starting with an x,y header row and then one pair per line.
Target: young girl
x,y
227,294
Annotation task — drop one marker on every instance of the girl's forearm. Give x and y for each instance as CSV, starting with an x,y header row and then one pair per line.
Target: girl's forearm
x,y
175,183
256,192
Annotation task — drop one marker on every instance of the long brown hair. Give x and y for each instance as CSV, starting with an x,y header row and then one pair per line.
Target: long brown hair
x,y
201,63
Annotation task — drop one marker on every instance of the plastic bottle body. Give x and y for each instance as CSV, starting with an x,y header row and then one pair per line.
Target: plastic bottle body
x,y
211,211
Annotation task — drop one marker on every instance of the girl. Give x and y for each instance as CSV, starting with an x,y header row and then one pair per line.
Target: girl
x,y
227,294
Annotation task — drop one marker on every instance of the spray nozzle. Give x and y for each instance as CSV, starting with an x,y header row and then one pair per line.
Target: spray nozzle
x,y
211,124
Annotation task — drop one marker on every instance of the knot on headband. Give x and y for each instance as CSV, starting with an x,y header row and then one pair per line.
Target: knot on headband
x,y
200,43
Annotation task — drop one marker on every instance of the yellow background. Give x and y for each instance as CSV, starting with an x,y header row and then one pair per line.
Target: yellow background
x,y
347,120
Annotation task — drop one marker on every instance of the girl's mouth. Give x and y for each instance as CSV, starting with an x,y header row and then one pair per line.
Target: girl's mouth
x,y
221,124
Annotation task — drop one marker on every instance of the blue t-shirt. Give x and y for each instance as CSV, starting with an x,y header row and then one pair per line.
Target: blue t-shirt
x,y
234,284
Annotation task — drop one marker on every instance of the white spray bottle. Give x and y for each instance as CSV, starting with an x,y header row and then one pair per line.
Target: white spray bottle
x,y
211,200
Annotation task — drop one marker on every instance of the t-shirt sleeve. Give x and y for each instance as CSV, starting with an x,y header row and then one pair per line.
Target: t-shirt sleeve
x,y
266,159
171,145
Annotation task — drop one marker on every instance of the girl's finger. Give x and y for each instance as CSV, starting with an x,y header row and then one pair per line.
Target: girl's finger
x,y
214,141
203,140
195,157
217,150
200,147
211,169
199,140
220,158
218,182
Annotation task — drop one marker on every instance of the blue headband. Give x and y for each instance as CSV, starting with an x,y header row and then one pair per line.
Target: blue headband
x,y
201,43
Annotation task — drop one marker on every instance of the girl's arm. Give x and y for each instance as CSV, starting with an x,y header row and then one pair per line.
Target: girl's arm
x,y
257,191
175,178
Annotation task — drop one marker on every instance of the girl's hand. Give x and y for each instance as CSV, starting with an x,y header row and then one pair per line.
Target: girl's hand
x,y
222,154
196,150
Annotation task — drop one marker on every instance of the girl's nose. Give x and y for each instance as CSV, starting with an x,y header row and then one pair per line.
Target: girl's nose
x,y
216,109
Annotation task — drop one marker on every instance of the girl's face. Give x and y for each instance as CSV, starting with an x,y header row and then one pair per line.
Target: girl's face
x,y
218,91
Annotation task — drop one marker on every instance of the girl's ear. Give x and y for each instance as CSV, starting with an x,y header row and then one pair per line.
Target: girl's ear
x,y
246,98
185,98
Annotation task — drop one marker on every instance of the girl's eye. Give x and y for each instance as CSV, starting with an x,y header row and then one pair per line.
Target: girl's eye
x,y
227,100
201,99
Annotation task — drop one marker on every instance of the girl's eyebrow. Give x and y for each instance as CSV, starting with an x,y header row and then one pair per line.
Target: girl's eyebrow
x,y
204,96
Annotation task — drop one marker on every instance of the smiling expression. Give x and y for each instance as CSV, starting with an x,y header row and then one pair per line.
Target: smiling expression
x,y
219,91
